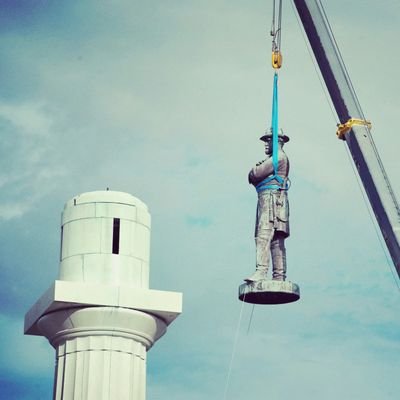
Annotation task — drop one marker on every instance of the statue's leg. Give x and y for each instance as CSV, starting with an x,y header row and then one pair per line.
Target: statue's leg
x,y
278,253
263,243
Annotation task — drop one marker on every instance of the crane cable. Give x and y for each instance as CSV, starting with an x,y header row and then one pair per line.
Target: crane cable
x,y
276,33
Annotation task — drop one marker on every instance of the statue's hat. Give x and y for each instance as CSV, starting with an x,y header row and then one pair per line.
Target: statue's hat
x,y
268,135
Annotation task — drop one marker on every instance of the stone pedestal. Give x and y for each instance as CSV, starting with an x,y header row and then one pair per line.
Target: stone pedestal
x,y
269,292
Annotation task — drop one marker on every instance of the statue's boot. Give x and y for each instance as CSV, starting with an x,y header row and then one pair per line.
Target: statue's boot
x,y
259,275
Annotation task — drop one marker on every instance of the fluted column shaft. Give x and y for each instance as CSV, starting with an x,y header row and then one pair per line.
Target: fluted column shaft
x,y
101,368
101,352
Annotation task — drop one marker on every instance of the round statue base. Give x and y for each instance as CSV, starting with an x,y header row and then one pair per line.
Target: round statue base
x,y
269,292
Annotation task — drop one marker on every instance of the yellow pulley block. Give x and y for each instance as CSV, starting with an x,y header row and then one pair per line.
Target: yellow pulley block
x,y
346,127
276,59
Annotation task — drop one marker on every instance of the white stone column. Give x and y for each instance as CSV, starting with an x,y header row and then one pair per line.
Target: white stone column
x,y
100,316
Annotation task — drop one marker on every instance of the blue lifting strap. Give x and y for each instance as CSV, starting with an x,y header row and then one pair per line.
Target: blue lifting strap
x,y
274,124
263,185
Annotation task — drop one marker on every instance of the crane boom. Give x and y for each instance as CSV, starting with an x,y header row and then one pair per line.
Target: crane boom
x,y
359,140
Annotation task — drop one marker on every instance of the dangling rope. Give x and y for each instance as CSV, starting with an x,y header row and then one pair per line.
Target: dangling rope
x,y
251,319
235,342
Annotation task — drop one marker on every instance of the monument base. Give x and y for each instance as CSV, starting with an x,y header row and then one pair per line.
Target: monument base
x,y
269,292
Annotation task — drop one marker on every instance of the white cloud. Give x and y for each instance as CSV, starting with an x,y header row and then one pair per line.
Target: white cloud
x,y
27,119
28,166
15,210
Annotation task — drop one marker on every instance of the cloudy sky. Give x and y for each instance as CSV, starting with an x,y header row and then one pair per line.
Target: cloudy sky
x,y
166,100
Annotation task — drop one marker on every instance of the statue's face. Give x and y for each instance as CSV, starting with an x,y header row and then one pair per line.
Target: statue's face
x,y
268,147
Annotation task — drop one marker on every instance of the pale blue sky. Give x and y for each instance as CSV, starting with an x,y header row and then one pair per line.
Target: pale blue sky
x,y
166,100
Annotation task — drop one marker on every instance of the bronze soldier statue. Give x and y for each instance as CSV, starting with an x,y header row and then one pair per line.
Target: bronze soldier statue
x,y
272,220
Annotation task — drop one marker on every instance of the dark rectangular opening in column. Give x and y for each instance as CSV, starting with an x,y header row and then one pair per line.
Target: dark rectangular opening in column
x,y
115,242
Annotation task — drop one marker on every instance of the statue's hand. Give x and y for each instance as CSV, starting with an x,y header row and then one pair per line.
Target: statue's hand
x,y
259,163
